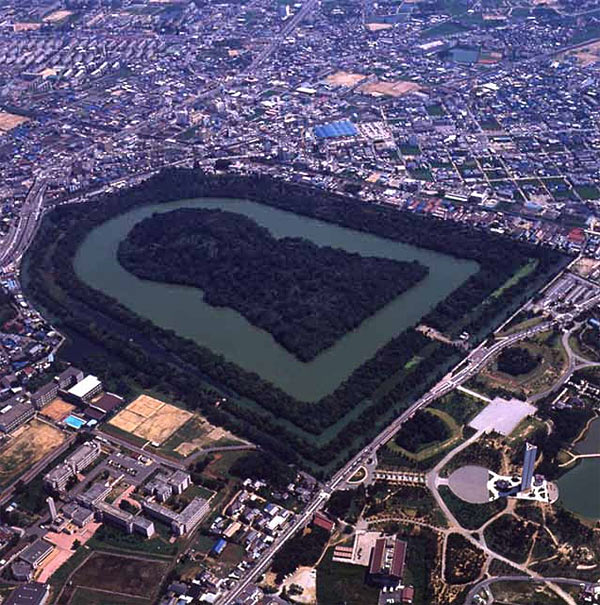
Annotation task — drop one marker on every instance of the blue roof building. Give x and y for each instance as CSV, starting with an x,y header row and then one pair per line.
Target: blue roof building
x,y
343,128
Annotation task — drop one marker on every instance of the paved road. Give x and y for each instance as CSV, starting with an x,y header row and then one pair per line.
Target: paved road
x,y
22,231
288,28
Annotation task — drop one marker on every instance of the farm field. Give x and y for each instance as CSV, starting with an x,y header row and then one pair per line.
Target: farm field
x,y
27,446
127,577
88,596
197,433
151,419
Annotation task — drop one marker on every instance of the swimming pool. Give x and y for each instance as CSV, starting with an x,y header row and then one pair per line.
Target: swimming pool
x,y
74,422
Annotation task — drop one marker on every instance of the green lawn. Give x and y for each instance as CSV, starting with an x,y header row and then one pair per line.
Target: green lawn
x,y
460,406
110,538
470,516
443,29
342,583
87,596
517,277
588,192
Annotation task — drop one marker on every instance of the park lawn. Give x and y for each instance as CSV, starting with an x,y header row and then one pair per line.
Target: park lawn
x,y
460,406
471,516
526,427
521,325
359,475
553,363
343,583
522,273
581,347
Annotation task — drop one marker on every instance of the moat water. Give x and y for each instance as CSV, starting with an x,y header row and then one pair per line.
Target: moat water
x,y
580,487
225,331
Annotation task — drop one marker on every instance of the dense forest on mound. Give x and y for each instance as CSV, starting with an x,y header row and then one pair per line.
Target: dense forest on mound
x,y
306,296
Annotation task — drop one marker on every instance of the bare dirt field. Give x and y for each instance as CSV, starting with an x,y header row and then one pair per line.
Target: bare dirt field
x,y
8,121
587,267
57,16
27,445
307,578
390,89
344,78
589,54
151,419
57,410
26,27
376,27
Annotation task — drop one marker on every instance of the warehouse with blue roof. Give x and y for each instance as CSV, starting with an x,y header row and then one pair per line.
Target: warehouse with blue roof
x,y
342,128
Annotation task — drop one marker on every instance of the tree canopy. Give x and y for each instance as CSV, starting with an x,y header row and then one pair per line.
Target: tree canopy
x,y
304,295
517,361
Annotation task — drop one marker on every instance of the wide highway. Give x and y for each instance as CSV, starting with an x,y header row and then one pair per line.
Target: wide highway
x,y
288,28
22,232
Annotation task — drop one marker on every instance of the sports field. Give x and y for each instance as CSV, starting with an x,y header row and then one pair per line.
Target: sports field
x,y
27,445
57,410
376,27
8,121
344,78
390,89
150,419
57,16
